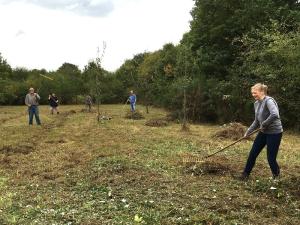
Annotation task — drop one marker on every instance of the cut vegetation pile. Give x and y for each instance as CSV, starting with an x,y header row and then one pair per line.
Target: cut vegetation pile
x,y
134,115
216,166
70,112
174,116
87,111
22,149
156,123
232,131
104,117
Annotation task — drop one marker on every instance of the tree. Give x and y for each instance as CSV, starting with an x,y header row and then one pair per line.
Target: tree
x,y
273,58
98,72
128,75
68,79
5,74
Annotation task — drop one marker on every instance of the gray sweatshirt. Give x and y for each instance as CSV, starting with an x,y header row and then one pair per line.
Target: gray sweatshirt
x,y
32,99
266,116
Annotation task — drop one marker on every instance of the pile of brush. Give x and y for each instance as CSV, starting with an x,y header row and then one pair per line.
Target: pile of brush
x,y
232,131
134,115
160,122
197,166
67,113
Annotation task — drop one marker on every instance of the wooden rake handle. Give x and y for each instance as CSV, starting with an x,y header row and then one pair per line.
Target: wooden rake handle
x,y
232,143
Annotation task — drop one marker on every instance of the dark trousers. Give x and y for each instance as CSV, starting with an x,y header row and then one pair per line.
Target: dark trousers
x,y
272,141
34,111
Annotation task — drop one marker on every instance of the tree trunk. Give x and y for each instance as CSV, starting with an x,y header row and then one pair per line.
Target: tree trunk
x,y
184,122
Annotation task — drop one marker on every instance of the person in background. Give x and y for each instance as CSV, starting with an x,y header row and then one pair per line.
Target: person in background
x,y
132,100
53,102
32,101
88,103
268,120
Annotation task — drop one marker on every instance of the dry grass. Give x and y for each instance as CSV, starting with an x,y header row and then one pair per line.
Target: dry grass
x,y
73,170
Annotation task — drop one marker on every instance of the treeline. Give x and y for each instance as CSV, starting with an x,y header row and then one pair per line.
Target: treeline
x,y
69,83
231,45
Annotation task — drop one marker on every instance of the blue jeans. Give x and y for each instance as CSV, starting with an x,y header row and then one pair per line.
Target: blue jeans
x,y
273,142
132,107
34,111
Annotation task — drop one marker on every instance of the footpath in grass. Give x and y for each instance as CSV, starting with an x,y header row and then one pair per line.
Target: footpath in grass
x,y
73,170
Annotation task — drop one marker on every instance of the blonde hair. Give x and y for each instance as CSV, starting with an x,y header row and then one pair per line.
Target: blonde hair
x,y
261,87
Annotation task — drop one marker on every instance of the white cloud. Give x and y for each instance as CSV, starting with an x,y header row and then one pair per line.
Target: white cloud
x,y
82,7
48,37
20,33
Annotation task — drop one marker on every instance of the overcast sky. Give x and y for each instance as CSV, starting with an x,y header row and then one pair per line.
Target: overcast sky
x,y
46,33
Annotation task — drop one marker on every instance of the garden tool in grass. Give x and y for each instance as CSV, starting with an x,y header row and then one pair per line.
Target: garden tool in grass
x,y
124,106
233,143
198,159
126,102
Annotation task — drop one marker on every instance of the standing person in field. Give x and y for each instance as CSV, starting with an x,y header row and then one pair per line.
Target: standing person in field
x,y
32,101
88,103
132,100
53,102
268,120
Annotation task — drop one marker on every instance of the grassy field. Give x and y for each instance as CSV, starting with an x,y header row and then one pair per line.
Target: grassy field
x,y
73,170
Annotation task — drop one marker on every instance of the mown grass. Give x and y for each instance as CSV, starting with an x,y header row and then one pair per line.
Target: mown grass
x,y
73,170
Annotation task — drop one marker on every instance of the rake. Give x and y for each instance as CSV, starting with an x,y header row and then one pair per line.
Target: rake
x,y
123,107
49,78
197,159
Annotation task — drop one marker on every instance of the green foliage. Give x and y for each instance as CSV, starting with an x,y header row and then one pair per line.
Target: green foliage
x,y
231,46
68,82
128,74
272,57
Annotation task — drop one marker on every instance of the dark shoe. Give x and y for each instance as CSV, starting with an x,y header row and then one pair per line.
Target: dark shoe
x,y
244,176
241,177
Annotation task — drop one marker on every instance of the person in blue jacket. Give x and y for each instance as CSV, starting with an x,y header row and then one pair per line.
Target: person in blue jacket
x,y
132,101
268,120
